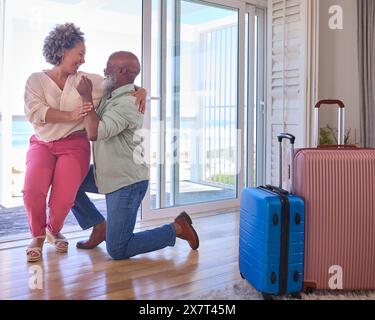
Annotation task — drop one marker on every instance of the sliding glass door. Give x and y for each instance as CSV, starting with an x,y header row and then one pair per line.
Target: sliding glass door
x,y
195,133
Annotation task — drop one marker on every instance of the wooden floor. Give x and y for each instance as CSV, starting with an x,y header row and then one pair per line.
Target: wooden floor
x,y
171,273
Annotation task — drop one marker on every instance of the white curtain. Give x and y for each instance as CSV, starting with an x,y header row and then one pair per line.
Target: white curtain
x,y
366,33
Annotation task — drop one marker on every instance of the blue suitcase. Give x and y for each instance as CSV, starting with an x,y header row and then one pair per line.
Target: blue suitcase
x,y
271,243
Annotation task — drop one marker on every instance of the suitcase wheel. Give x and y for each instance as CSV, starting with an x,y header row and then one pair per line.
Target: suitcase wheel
x,y
267,297
242,276
309,290
296,295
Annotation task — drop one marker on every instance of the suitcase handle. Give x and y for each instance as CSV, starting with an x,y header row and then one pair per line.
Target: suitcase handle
x,y
341,121
274,189
330,102
288,136
292,139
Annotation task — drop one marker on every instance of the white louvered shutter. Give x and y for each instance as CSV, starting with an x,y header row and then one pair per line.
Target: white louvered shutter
x,y
286,110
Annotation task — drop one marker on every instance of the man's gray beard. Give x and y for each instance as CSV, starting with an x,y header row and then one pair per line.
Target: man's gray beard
x,y
108,85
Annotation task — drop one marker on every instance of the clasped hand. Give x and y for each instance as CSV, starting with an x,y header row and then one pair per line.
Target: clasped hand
x,y
81,111
84,88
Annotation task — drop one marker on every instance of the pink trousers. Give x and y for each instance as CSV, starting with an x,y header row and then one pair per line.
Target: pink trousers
x,y
61,165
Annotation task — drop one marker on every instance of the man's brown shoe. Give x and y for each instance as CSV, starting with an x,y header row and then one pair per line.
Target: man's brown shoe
x,y
188,233
97,236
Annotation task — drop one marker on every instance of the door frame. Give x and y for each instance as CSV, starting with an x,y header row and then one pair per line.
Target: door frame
x,y
6,124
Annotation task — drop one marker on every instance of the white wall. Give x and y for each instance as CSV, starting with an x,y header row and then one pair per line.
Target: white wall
x,y
338,63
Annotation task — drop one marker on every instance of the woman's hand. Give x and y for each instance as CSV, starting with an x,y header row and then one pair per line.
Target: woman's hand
x,y
81,112
140,95
84,88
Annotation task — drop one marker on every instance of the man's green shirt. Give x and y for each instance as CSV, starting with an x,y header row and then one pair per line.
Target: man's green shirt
x,y
119,154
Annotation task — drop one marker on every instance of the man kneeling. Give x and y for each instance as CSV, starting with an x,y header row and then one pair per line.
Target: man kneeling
x,y
113,129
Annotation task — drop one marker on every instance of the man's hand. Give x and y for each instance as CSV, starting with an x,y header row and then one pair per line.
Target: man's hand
x,y
84,88
81,112
140,95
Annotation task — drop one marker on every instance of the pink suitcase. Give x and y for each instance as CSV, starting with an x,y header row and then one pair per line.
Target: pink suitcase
x,y
338,186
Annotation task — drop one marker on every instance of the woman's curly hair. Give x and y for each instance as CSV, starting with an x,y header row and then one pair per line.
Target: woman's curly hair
x,y
62,37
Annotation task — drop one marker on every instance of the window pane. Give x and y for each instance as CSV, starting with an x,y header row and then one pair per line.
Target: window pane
x,y
203,109
109,26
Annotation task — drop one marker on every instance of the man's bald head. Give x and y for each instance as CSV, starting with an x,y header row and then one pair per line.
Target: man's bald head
x,y
127,62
